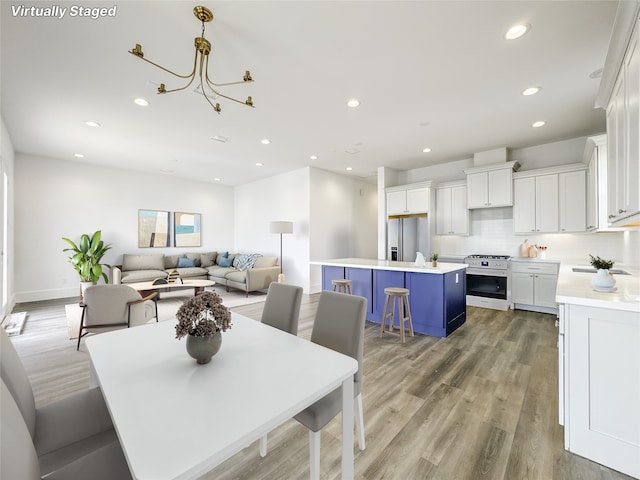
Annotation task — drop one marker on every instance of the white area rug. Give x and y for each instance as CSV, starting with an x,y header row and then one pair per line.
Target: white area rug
x,y
169,303
13,323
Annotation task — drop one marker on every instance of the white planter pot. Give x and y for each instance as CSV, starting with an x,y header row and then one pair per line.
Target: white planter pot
x,y
603,280
83,287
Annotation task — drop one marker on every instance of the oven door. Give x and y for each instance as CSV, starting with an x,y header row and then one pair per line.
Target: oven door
x,y
487,283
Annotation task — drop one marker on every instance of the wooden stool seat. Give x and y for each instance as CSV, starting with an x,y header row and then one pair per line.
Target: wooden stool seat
x,y
342,285
404,312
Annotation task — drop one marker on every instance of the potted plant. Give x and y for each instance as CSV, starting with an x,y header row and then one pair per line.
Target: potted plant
x,y
86,257
434,259
202,319
603,280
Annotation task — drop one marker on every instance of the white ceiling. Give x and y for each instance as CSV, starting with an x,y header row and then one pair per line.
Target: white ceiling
x,y
435,74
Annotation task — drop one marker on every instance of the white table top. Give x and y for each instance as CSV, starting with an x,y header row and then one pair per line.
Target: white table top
x,y
442,267
178,419
575,288
185,284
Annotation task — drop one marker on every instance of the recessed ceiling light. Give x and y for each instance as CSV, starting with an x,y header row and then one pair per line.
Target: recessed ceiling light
x,y
216,179
258,164
91,123
353,103
141,101
78,155
349,169
313,157
530,91
517,31
596,74
220,138
539,123
426,150
265,141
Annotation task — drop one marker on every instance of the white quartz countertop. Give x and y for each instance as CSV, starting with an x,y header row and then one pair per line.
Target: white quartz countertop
x,y
536,259
441,269
575,288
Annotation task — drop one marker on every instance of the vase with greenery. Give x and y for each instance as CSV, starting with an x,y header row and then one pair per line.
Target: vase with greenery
x,y
603,280
434,259
202,319
86,257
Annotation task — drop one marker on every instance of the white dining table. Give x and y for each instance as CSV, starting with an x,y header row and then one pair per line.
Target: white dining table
x,y
176,419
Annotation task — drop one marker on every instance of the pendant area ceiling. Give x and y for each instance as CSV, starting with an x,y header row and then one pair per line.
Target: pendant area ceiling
x,y
428,74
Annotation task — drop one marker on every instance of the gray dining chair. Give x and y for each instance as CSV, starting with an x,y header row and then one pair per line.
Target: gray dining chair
x,y
19,460
282,311
109,307
282,307
61,431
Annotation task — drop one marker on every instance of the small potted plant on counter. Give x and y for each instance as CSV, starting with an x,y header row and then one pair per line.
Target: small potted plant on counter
x,y
603,280
434,259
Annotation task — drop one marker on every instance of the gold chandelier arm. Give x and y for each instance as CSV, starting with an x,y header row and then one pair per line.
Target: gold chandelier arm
x,y
216,107
137,52
211,85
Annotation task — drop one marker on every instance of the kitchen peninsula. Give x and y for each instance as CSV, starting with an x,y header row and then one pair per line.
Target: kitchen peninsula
x,y
438,294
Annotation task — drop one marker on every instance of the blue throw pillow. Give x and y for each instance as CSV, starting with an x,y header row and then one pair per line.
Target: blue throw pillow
x,y
186,262
226,261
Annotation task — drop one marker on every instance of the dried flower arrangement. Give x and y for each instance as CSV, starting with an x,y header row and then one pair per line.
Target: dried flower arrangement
x,y
202,315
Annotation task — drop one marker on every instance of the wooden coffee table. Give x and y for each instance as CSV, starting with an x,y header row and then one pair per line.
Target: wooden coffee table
x,y
145,288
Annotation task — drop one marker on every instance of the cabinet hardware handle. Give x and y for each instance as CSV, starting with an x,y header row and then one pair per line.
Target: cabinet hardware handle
x,y
622,211
612,216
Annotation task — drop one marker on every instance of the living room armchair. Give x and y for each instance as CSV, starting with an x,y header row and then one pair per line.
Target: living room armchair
x,y
109,307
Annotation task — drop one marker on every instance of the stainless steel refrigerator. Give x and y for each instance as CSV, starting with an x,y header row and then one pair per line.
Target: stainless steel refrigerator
x,y
406,236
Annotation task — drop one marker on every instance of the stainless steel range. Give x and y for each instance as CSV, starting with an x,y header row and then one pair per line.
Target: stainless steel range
x,y
488,281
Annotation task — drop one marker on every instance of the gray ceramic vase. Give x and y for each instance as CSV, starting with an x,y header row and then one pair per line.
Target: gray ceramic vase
x,y
203,348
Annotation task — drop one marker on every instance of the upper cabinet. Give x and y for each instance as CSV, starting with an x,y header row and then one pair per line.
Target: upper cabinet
x,y
452,215
623,142
595,156
408,199
491,185
550,200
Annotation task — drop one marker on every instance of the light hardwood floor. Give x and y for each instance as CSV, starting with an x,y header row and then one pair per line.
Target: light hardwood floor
x,y
480,404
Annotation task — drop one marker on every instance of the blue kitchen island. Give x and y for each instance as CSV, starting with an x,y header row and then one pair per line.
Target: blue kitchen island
x,y
438,294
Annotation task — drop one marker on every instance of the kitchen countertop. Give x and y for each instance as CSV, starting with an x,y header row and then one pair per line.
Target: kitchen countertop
x,y
441,269
575,288
536,259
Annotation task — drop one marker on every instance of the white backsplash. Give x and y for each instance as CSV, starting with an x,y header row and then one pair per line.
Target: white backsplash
x,y
491,232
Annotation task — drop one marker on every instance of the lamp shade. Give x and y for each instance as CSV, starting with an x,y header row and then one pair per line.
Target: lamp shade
x,y
280,227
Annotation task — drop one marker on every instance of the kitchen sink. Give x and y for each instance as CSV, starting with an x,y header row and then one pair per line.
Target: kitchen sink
x,y
615,271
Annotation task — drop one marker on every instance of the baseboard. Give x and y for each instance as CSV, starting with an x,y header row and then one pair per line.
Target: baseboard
x,y
39,295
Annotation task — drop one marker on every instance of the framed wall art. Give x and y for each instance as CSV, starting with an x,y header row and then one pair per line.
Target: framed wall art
x,y
186,229
153,228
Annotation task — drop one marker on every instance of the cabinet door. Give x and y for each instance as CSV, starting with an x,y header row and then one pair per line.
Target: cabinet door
x,y
500,187
616,152
572,201
361,283
544,290
592,190
522,288
524,205
417,200
477,194
459,211
396,203
547,203
443,211
632,158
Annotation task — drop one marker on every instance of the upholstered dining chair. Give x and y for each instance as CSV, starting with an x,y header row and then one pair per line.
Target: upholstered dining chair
x,y
282,307
109,307
62,431
282,311
19,459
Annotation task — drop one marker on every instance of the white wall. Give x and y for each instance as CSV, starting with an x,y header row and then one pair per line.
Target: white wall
x,y
280,198
7,162
55,199
344,219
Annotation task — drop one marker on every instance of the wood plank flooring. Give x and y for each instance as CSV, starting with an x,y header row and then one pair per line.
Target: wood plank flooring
x,y
480,404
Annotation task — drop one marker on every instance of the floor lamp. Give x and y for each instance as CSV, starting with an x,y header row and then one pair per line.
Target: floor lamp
x,y
281,228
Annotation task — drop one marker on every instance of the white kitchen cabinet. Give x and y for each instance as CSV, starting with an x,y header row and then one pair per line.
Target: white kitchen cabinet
x,y
572,191
408,199
533,285
452,215
599,391
550,200
623,130
535,207
595,156
490,186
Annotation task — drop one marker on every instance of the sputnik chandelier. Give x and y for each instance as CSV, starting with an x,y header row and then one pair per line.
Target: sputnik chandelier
x,y
200,67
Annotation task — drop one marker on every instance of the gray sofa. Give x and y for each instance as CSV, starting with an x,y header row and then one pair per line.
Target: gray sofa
x,y
246,272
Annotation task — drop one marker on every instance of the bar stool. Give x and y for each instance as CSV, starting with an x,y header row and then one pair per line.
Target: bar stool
x,y
343,285
404,314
